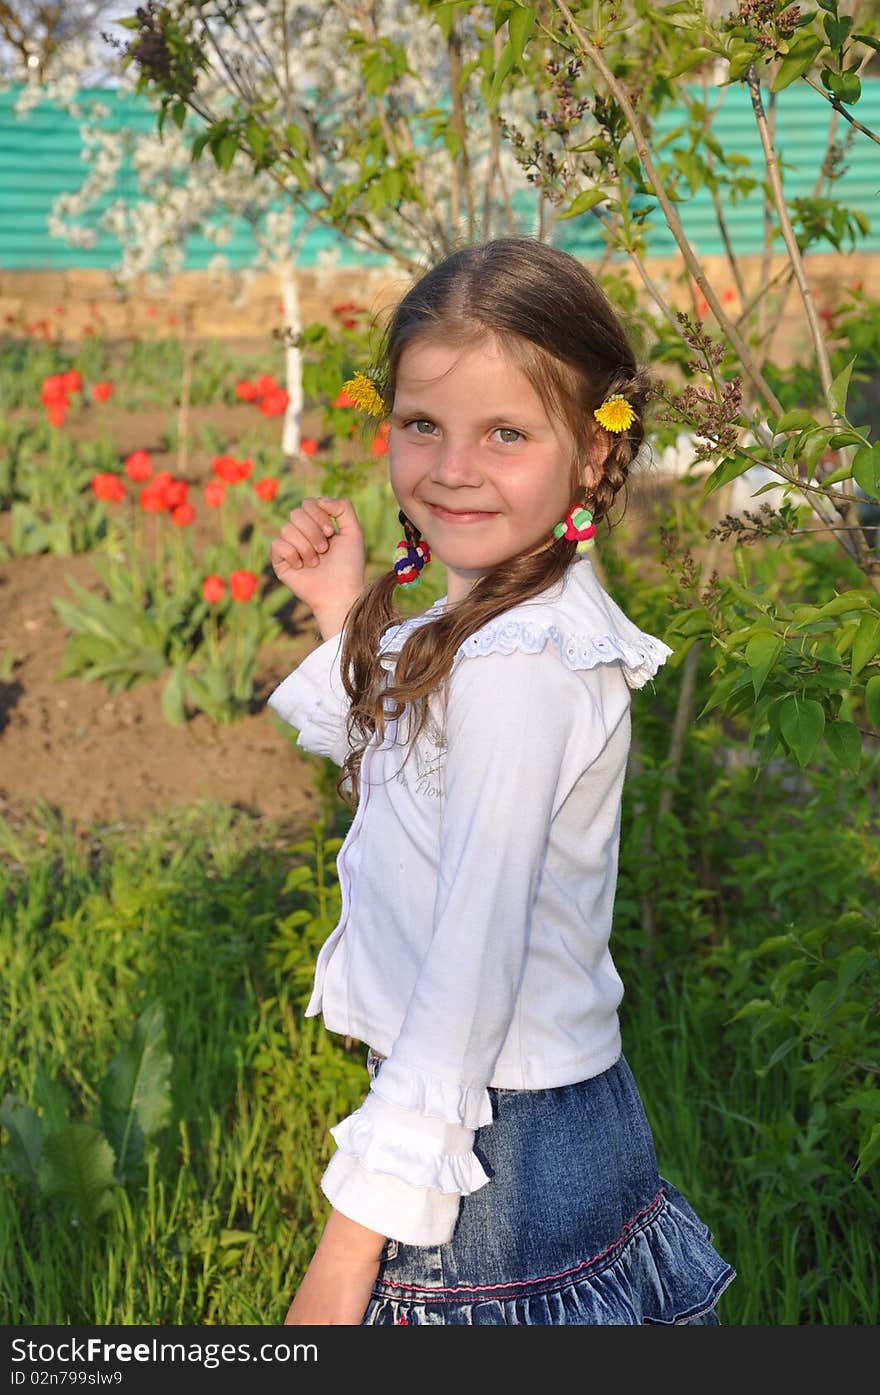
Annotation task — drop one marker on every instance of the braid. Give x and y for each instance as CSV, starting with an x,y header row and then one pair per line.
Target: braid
x,y
623,448
410,531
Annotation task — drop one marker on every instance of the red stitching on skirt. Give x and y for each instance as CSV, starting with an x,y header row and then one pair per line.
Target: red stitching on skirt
x,y
639,1219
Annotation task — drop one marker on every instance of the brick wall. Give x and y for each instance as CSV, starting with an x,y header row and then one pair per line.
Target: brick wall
x,y
232,307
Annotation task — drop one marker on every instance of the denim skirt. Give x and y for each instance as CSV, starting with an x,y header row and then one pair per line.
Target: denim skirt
x,y
575,1227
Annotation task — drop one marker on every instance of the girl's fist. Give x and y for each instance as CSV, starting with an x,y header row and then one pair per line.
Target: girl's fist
x,y
319,555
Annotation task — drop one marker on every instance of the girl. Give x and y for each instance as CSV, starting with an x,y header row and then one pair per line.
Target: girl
x,y
501,1169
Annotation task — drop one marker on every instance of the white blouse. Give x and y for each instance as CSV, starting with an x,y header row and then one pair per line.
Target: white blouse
x,y
477,883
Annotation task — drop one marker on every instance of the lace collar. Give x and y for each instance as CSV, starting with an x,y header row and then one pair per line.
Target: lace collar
x,y
576,617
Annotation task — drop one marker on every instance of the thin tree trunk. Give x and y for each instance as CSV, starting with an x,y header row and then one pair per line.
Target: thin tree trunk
x,y
290,441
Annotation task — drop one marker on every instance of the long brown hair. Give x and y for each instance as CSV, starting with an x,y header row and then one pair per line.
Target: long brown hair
x,y
556,324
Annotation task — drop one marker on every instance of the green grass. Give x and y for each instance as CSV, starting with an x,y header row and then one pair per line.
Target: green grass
x,y
223,1216
218,918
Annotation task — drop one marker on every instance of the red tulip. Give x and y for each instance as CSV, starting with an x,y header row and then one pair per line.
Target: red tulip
x,y
265,383
246,391
154,498
108,487
342,399
213,588
307,446
176,492
56,411
245,470
183,515
243,585
52,389
215,493
225,467
138,466
72,380
266,489
102,392
274,404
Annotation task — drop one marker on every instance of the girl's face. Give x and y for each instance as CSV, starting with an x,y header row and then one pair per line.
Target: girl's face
x,y
477,464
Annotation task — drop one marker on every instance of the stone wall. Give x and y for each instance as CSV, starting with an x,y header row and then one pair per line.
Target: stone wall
x,y
239,306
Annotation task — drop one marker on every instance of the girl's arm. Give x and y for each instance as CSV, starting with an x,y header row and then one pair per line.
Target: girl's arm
x,y
325,569
337,1284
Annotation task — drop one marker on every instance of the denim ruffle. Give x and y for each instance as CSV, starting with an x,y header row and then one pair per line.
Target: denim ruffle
x,y
661,1270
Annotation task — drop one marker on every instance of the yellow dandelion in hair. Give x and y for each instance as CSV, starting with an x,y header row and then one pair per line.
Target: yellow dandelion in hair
x,y
615,413
364,395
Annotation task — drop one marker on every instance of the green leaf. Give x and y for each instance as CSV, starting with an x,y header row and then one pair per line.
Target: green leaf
x,y
690,59
797,420
225,151
136,1092
505,63
801,722
846,438
866,642
781,1051
838,390
588,198
725,472
846,87
843,473
872,699
837,28
77,1165
868,39
841,605
173,706
740,57
866,468
762,651
869,1151
23,1124
801,55
845,743
520,27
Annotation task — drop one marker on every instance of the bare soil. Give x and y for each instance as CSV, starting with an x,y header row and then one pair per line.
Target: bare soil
x,y
101,758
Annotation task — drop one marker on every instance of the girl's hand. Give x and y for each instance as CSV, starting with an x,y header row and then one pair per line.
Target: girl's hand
x,y
338,1283
321,564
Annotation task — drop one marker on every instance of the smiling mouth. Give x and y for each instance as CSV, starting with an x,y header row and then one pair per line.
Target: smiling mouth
x,y
459,515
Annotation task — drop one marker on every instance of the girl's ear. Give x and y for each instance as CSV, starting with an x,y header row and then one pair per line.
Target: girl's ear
x,y
594,460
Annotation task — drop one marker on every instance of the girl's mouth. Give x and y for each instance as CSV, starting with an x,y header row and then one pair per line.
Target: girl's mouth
x,y
459,515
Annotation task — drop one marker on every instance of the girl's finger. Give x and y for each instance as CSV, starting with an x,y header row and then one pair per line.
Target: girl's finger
x,y
302,529
342,510
284,559
317,510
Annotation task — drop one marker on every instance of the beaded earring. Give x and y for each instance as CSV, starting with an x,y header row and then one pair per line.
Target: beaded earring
x,y
411,555
577,526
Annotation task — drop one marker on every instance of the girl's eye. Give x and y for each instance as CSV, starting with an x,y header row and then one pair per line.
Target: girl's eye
x,y
422,422
509,435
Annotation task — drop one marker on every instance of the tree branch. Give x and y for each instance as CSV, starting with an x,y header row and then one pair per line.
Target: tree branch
x,y
596,58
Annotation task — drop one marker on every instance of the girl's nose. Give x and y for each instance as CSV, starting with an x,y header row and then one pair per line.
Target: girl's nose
x,y
455,464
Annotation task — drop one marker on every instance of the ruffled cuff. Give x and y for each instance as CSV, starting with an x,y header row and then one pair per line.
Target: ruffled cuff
x,y
411,1171
313,700
389,1206
410,1088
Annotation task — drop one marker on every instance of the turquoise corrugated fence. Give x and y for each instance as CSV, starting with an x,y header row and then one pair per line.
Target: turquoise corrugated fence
x,y
41,157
